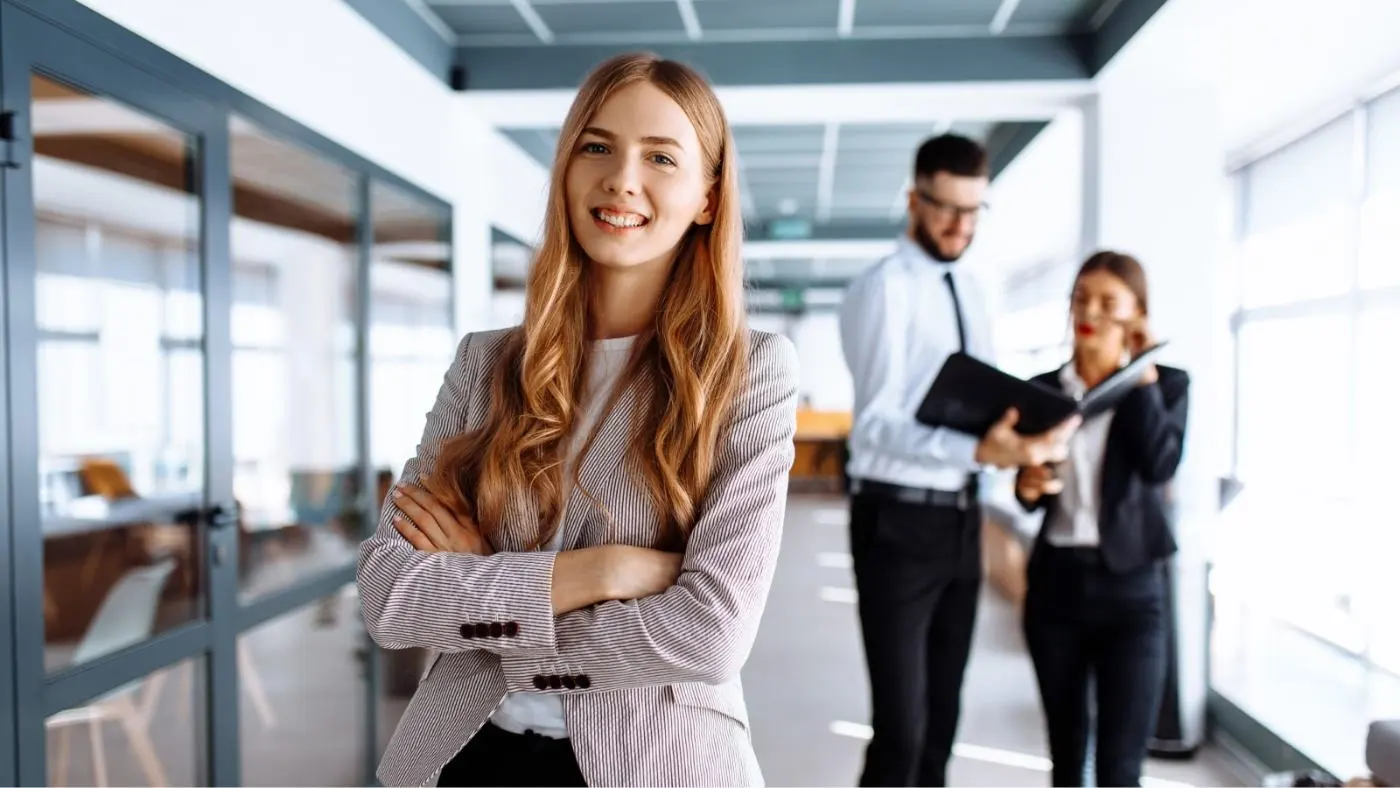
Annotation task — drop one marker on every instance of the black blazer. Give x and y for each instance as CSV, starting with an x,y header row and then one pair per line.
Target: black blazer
x,y
1143,451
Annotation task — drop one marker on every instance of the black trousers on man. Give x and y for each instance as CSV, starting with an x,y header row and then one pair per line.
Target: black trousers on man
x,y
1096,637
918,571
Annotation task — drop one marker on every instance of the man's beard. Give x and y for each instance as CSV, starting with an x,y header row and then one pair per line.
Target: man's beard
x,y
929,245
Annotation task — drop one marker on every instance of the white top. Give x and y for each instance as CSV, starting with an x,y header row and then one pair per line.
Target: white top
x,y
898,326
539,712
1074,521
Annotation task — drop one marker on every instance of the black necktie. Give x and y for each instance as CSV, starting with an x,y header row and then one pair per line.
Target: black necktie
x,y
957,311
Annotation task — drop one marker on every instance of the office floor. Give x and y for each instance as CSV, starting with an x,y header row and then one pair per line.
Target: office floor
x,y
805,685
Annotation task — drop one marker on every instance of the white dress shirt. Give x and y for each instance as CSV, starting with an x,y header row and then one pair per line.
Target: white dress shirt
x,y
1074,521
898,326
538,712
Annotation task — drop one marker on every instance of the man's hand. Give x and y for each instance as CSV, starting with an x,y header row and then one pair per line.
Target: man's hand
x,y
432,528
1004,447
1037,481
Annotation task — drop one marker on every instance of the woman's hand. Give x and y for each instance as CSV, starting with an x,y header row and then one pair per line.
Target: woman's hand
x,y
1140,339
433,528
1034,482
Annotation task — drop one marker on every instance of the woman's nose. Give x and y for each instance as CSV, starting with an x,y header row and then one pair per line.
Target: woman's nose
x,y
622,178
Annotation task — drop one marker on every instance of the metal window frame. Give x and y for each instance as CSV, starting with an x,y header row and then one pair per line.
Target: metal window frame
x,y
138,73
1236,723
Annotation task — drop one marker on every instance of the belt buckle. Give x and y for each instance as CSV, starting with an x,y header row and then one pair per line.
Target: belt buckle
x,y
964,499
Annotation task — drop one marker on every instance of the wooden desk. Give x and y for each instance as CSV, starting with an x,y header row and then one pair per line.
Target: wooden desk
x,y
819,462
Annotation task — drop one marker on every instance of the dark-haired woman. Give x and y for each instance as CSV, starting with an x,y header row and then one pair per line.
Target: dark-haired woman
x,y
1095,611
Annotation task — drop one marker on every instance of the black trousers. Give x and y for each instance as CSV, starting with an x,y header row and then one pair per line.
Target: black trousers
x,y
918,572
1092,631
498,757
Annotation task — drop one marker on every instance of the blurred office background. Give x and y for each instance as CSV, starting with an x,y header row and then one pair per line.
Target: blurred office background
x,y
242,237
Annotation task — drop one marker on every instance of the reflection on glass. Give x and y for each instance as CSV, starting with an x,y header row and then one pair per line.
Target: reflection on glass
x,y
293,327
118,304
411,343
1309,258
149,732
302,719
1291,500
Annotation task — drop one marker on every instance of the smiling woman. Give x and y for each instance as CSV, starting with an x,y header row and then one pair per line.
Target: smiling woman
x,y
589,530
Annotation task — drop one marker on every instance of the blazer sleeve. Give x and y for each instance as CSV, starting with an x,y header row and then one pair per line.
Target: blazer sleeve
x,y
452,601
1050,380
702,628
1154,419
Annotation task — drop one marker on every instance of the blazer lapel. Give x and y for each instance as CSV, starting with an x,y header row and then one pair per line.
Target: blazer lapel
x,y
605,457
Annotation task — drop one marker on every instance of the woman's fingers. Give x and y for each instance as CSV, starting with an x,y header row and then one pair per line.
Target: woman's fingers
x,y
415,537
410,500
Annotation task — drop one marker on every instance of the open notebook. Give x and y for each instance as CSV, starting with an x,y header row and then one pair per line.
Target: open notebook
x,y
969,396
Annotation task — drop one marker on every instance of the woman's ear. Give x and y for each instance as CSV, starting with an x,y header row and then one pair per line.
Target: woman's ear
x,y
707,211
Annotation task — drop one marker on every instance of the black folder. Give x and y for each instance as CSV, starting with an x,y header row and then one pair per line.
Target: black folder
x,y
969,396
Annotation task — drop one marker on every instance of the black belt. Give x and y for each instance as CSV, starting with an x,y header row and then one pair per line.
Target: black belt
x,y
1079,554
957,499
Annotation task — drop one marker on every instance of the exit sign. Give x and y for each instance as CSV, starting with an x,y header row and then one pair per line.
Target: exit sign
x,y
789,229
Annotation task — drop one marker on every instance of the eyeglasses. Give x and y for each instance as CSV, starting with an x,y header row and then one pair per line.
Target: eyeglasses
x,y
949,209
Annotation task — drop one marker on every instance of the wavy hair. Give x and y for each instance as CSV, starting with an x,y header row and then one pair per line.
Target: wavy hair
x,y
694,355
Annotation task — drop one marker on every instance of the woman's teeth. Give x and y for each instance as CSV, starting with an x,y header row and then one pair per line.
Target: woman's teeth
x,y
619,219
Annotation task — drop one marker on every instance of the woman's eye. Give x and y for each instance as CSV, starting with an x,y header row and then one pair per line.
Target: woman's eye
x,y
594,147
663,160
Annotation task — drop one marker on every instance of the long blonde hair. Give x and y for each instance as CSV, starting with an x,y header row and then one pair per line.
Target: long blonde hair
x,y
695,354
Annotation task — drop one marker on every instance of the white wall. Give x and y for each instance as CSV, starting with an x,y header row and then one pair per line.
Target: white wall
x,y
324,65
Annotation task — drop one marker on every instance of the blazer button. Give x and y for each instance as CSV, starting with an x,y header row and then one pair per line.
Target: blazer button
x,y
511,629
555,683
483,631
468,631
583,682
569,682
541,683
496,629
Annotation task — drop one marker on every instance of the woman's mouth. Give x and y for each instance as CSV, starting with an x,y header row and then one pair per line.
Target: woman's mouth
x,y
616,221
1083,329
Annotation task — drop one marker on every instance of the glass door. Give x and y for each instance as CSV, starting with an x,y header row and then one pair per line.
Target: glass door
x,y
123,527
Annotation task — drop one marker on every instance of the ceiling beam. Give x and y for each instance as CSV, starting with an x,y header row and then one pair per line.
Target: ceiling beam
x,y
839,62
405,24
532,19
689,19
846,18
849,249
838,230
1003,16
819,104
1115,24
1006,142
826,171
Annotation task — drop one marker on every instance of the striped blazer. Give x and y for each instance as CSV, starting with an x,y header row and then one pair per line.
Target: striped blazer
x,y
650,687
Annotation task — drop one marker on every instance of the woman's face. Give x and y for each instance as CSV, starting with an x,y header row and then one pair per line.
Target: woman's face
x,y
636,182
1102,310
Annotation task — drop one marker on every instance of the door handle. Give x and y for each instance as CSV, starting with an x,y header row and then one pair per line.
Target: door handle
x,y
219,517
9,136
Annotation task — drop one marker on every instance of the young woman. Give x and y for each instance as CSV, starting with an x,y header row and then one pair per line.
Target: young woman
x,y
1095,602
602,488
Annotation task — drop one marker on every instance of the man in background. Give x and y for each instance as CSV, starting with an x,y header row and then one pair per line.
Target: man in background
x,y
915,519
